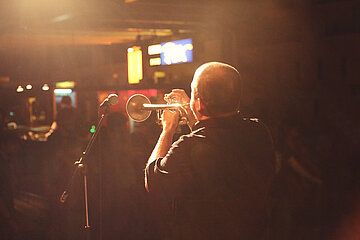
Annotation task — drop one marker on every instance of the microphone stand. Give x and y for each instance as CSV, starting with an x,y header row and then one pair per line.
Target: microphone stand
x,y
80,166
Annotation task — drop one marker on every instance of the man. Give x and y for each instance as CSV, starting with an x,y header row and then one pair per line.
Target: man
x,y
65,124
218,176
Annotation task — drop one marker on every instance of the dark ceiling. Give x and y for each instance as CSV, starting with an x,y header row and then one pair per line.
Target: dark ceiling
x,y
25,23
40,38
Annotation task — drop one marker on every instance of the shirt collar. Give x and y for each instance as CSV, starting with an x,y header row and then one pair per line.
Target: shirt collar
x,y
217,122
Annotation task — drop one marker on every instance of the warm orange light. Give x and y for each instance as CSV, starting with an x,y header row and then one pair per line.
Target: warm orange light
x,y
66,84
5,79
135,71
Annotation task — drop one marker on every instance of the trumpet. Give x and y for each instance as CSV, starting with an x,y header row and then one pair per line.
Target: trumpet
x,y
139,107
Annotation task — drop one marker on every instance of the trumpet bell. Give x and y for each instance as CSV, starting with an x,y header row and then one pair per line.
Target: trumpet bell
x,y
135,109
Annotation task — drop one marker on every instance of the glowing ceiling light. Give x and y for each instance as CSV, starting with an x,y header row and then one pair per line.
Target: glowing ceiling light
x,y
63,91
45,87
29,86
20,89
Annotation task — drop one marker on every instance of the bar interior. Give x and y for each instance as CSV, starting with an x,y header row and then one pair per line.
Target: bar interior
x,y
62,61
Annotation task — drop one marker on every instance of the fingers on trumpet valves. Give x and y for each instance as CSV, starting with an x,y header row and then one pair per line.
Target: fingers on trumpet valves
x,y
175,97
170,99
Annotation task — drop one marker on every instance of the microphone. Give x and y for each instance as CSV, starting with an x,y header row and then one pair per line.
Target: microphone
x,y
112,99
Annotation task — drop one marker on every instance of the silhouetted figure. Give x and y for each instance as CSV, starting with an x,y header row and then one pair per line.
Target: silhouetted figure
x,y
218,176
9,146
65,126
296,195
66,220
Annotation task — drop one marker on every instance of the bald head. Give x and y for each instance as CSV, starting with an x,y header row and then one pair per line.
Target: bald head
x,y
218,85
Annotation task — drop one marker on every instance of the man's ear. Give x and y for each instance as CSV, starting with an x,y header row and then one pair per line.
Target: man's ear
x,y
201,107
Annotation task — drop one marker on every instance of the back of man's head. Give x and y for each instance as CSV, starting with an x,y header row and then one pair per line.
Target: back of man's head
x,y
218,85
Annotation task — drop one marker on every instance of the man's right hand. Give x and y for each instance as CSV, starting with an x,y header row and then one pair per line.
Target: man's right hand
x,y
181,97
170,121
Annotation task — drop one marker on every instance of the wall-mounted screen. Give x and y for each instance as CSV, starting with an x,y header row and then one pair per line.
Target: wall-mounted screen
x,y
180,51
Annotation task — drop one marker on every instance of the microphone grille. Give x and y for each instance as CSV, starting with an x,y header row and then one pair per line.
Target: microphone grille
x,y
113,99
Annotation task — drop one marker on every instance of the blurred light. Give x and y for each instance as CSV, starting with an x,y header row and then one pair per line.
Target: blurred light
x,y
29,86
154,49
61,18
5,79
45,87
115,75
66,84
12,125
135,71
11,114
92,130
31,101
180,51
155,61
62,91
158,76
20,89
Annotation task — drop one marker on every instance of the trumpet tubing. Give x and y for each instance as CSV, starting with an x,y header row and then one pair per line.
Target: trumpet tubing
x,y
139,107
174,106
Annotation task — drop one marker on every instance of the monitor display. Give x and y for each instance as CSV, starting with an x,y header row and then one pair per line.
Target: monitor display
x,y
180,51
